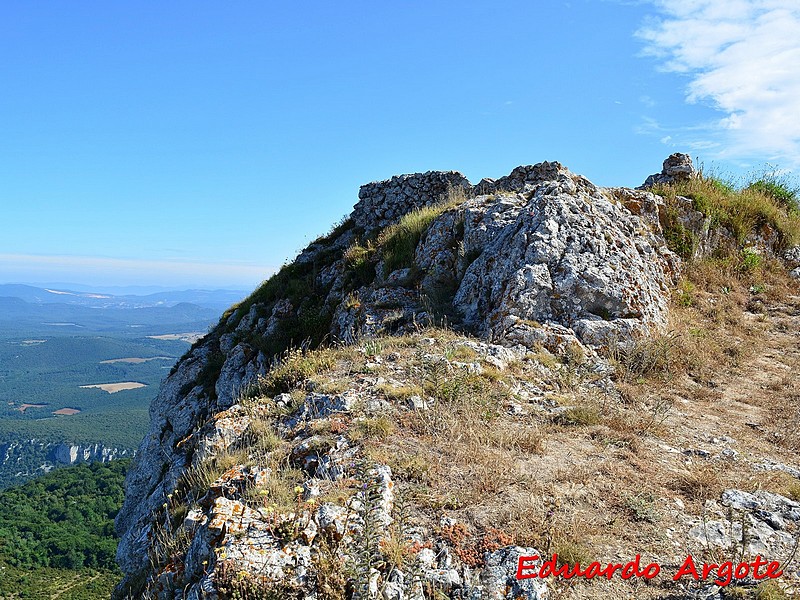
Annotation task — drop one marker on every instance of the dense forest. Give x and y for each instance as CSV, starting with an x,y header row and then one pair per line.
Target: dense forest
x,y
58,530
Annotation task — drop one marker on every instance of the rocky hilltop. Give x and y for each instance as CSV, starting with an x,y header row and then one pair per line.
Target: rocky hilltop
x,y
455,323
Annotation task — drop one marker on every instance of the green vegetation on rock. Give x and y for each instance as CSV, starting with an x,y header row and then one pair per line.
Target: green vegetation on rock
x,y
765,206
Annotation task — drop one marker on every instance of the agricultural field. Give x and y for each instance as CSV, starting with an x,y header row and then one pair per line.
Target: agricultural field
x,y
78,371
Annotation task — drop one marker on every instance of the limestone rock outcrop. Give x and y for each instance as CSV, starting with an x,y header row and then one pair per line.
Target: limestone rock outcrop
x,y
71,454
539,258
569,254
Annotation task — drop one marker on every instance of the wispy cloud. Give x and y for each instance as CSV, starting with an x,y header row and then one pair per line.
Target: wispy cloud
x,y
741,58
116,271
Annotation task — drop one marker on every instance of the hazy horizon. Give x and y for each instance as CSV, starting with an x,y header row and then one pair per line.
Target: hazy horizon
x,y
133,290
106,273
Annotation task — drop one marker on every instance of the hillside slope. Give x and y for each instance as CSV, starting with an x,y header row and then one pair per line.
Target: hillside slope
x,y
520,367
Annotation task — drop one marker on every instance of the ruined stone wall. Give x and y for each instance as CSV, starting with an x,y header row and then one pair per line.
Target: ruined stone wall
x,y
383,202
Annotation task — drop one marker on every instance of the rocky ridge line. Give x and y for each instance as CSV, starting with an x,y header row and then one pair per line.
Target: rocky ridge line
x,y
540,258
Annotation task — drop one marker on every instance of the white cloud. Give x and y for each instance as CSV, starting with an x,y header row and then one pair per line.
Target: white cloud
x,y
741,57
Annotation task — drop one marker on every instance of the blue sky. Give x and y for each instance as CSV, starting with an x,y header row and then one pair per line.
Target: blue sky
x,y
205,143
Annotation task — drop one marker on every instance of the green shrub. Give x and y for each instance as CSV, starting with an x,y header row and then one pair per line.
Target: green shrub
x,y
398,241
751,260
777,187
684,294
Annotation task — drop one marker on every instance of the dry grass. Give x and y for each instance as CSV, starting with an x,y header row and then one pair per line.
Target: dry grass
x,y
658,355
398,242
701,483
291,369
400,392
742,212
770,590
371,428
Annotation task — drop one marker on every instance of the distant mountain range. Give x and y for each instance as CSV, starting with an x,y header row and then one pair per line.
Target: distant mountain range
x,y
219,300
48,310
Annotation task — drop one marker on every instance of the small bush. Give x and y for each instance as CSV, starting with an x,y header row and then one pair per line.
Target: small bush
x,y
580,416
750,260
684,294
777,187
292,369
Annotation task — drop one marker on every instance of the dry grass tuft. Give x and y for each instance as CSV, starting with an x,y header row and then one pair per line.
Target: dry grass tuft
x,y
702,483
398,242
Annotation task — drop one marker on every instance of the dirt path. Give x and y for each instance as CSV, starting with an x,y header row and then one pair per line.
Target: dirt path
x,y
727,428
751,403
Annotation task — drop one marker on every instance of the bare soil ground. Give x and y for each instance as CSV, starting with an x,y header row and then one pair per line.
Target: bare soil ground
x,y
133,360
621,501
113,388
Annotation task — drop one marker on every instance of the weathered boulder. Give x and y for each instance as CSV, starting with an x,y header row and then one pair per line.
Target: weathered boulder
x,y
565,254
676,167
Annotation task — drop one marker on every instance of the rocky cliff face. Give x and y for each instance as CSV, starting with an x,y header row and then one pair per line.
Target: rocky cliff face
x,y
72,454
23,459
541,260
